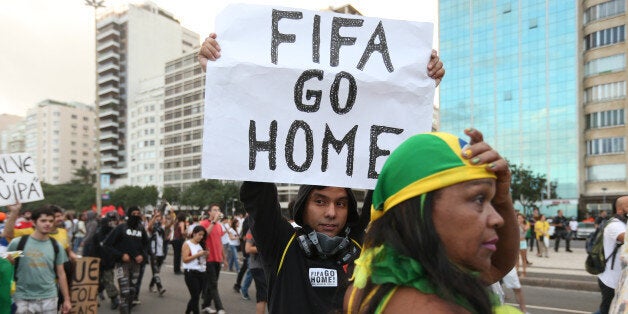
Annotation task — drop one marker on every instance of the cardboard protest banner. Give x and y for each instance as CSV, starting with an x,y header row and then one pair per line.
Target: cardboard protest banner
x,y
313,97
18,179
84,290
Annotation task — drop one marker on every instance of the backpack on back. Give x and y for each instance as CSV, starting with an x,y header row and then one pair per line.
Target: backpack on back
x,y
596,260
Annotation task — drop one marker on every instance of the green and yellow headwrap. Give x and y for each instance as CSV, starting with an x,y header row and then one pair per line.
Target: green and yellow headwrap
x,y
423,163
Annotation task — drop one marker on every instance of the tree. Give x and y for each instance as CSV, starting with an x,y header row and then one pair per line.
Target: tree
x,y
529,188
205,192
172,194
127,196
84,175
71,195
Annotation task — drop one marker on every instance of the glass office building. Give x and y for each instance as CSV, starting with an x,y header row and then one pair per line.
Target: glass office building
x,y
512,74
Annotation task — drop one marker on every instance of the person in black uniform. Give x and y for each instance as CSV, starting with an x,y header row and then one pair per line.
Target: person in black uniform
x,y
561,224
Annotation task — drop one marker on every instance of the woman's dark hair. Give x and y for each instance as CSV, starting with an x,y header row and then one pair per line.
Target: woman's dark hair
x,y
181,217
198,229
234,224
403,229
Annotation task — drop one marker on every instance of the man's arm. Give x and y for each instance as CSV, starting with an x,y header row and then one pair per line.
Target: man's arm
x,y
9,224
63,285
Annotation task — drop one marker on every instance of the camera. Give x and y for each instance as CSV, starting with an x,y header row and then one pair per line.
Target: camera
x,y
221,216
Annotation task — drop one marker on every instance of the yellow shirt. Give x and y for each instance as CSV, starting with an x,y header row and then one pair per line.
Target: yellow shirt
x,y
541,228
61,235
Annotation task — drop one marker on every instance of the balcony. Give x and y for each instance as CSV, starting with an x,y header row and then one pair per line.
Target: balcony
x,y
112,54
108,159
109,89
107,67
108,32
108,100
104,125
108,78
108,136
109,112
102,45
108,146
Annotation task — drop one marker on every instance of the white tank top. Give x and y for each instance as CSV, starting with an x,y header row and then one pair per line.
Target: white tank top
x,y
197,263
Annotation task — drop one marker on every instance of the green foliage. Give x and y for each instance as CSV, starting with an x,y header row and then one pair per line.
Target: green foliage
x,y
172,194
126,196
205,192
529,188
83,176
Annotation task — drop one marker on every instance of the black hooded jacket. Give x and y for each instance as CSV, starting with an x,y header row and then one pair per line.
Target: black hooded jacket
x,y
296,283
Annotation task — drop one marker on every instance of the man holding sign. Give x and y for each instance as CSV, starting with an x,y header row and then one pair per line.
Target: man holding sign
x,y
307,267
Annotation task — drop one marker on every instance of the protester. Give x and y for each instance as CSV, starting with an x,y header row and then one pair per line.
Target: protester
x,y
523,244
157,252
257,272
614,232
234,244
41,264
244,228
541,228
327,214
194,266
128,244
442,229
511,281
532,219
79,231
214,259
95,248
177,242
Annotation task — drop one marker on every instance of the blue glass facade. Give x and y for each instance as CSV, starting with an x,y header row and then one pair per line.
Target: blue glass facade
x,y
511,73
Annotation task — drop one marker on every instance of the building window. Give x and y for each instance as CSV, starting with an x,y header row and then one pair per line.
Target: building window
x,y
605,92
603,119
601,146
613,172
604,37
604,10
608,64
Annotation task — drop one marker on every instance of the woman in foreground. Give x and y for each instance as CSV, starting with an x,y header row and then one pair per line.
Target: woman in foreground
x,y
442,229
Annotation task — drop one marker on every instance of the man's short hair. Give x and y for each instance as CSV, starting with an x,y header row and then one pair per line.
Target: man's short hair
x,y
45,211
212,205
55,209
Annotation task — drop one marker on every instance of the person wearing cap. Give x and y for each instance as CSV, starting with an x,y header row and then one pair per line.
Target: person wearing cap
x,y
442,229
128,244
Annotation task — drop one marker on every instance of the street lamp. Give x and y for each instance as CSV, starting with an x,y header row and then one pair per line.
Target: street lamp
x,y
604,197
97,4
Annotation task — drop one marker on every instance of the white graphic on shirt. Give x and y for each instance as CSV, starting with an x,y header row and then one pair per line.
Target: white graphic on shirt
x,y
323,277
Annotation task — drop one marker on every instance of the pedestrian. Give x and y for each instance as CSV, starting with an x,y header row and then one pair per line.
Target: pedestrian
x,y
614,232
561,231
91,226
194,266
79,231
541,228
573,228
128,244
234,244
245,260
532,219
40,268
510,281
177,242
293,263
257,272
214,259
523,244
95,248
156,252
442,229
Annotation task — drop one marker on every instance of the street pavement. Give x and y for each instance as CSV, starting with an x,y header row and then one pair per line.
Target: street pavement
x,y
561,270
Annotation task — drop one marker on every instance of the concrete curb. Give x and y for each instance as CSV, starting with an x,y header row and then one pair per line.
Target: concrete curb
x,y
561,283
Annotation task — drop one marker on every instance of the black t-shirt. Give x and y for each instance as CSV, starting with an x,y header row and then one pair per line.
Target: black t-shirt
x,y
126,240
301,284
562,220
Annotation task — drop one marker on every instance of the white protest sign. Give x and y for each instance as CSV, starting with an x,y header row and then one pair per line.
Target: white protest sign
x,y
18,179
313,97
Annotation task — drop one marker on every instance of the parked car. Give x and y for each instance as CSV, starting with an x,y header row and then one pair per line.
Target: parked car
x,y
584,230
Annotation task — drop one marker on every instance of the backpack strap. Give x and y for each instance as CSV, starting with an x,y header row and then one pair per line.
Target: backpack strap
x,y
20,247
283,256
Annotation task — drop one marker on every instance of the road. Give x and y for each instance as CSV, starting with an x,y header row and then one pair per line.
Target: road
x,y
539,300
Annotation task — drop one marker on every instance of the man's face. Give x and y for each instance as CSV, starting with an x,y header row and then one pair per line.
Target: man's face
x,y
622,206
560,213
214,212
58,220
44,224
326,210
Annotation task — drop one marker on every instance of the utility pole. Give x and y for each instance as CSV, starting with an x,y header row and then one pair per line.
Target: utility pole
x,y
97,4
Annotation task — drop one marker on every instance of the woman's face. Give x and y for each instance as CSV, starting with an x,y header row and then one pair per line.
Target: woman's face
x,y
198,237
465,221
520,219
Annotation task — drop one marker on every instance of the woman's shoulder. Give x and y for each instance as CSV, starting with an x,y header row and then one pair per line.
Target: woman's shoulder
x,y
410,300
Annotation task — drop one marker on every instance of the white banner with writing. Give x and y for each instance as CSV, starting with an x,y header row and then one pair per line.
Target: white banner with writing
x,y
311,97
18,179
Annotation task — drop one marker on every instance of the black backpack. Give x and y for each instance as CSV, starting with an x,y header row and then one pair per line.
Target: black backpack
x,y
22,244
596,260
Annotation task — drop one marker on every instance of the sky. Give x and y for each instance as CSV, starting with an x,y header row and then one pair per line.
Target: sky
x,y
48,45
